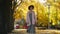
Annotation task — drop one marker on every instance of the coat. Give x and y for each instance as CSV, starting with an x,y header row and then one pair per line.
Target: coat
x,y
28,19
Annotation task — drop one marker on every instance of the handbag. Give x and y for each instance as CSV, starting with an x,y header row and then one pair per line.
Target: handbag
x,y
25,26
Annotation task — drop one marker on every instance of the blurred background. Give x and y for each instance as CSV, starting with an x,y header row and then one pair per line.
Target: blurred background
x,y
47,13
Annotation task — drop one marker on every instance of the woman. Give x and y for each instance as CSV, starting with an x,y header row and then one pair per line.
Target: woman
x,y
31,20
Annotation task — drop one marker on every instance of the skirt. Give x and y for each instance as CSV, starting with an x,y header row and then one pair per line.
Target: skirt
x,y
31,29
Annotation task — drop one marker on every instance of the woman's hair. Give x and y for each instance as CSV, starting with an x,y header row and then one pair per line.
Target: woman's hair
x,y
30,7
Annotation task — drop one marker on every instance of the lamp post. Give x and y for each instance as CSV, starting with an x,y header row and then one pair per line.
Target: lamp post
x,y
48,15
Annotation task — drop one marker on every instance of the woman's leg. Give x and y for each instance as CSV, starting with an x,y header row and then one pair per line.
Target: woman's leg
x,y
28,30
32,29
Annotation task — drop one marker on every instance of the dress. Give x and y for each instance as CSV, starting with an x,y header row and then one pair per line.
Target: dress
x,y
31,28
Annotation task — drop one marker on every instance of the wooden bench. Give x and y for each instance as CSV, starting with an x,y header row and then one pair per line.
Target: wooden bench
x,y
42,28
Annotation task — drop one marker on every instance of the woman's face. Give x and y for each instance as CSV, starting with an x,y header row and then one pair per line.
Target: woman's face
x,y
31,8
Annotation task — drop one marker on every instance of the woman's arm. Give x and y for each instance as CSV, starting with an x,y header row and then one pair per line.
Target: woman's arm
x,y
35,18
27,18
